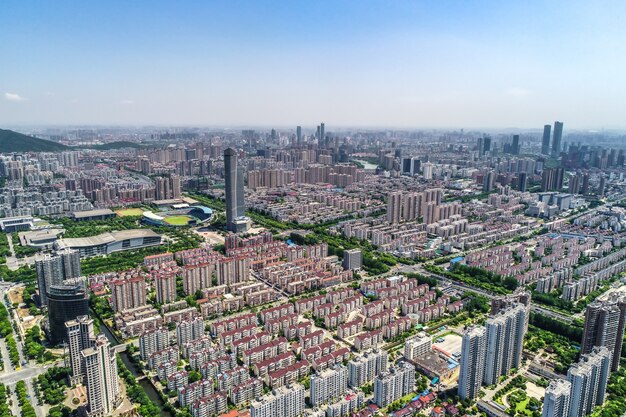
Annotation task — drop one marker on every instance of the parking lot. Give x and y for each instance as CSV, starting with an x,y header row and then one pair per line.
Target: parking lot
x,y
451,344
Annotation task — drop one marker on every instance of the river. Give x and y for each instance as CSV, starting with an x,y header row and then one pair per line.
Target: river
x,y
367,165
144,382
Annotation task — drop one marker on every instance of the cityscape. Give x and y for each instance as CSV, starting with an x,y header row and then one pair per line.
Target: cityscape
x,y
173,260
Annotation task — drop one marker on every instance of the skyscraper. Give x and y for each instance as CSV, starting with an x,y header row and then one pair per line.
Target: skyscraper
x,y
235,203
473,351
49,272
557,398
103,388
65,303
322,131
505,337
515,146
545,142
588,378
556,138
394,207
80,336
604,326
299,134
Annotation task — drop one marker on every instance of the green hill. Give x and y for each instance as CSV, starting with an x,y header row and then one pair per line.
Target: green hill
x,y
11,141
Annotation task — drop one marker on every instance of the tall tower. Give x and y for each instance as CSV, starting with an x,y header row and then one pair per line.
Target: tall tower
x,y
49,272
604,326
473,351
505,337
556,139
80,336
545,142
235,203
589,378
322,133
103,388
299,134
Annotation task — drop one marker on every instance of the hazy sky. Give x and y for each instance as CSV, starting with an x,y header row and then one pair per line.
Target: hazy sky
x,y
349,63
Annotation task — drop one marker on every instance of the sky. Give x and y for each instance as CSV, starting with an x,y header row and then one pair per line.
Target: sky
x,y
391,63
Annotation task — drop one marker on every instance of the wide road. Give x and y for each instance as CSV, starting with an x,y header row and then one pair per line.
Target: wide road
x,y
31,371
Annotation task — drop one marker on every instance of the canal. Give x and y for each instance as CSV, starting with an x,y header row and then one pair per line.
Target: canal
x,y
147,386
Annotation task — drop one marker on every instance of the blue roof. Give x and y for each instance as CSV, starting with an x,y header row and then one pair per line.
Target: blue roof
x,y
205,209
457,259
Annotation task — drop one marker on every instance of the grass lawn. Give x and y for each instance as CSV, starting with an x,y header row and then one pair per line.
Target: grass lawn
x,y
177,220
521,406
129,212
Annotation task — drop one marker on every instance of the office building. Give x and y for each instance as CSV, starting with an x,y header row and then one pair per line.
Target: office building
x,y
588,379
522,182
285,401
101,377
394,384
604,326
80,336
557,399
417,346
556,139
234,194
545,141
352,259
52,269
362,369
299,134
505,339
65,303
328,385
473,352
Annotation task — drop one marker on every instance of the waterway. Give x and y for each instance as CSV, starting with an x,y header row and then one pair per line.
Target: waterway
x,y
367,165
144,382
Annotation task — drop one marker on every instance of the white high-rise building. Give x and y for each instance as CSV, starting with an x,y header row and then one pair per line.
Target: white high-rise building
x,y
394,384
505,341
363,369
328,385
557,399
588,378
473,350
189,330
80,336
285,401
103,388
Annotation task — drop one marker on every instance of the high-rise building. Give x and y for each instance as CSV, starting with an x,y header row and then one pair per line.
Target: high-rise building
x,y
505,338
285,401
49,272
363,369
80,336
545,141
70,258
165,286
189,330
103,388
489,181
352,259
604,326
128,293
556,138
152,341
234,193
322,131
515,145
522,181
394,384
65,303
299,134
557,399
394,207
473,352
588,379
328,385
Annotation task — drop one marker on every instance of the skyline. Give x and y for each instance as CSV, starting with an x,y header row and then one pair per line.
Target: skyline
x,y
374,64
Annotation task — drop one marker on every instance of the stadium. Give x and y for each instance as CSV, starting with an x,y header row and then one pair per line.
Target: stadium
x,y
187,216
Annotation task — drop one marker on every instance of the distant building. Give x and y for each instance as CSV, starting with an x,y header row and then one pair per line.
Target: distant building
x,y
99,214
545,142
352,259
556,139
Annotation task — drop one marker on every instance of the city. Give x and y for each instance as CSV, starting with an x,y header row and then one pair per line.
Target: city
x,y
307,269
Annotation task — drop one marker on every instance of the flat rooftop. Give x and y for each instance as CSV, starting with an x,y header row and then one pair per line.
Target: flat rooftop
x,y
90,213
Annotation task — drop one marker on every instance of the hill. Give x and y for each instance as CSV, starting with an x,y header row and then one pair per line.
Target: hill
x,y
11,141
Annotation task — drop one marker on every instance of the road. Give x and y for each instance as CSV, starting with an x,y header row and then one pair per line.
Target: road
x,y
27,372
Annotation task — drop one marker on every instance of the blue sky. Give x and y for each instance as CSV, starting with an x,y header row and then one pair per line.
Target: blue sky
x,y
348,63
